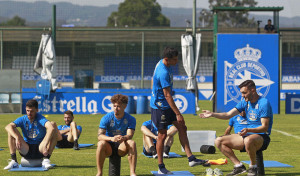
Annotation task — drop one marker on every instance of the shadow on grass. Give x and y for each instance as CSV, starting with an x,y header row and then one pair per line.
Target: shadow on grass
x,y
75,166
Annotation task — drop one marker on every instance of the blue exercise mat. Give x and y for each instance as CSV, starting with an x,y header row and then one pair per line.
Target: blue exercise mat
x,y
272,164
171,155
178,173
29,169
1,149
83,145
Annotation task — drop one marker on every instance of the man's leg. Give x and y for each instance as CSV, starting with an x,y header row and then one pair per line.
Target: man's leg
x,y
103,150
162,135
129,147
73,135
149,145
252,144
51,145
23,148
184,141
167,146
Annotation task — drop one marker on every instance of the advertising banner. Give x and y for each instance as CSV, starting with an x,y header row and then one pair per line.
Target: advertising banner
x,y
292,104
98,103
247,56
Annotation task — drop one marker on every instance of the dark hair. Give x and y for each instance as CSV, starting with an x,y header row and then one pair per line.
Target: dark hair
x,y
248,84
69,112
119,98
170,52
269,20
32,103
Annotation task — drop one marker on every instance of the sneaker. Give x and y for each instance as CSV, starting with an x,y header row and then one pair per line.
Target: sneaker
x,y
197,162
76,147
209,172
46,163
164,171
165,155
217,172
11,164
237,171
252,171
154,156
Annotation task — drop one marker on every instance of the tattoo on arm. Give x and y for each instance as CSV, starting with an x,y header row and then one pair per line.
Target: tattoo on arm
x,y
101,131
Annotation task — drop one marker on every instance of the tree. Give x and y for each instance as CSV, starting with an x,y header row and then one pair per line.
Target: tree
x,y
229,18
138,13
15,21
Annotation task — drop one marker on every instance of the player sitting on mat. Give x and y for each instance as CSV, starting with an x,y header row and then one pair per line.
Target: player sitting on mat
x,y
39,137
115,134
238,122
150,136
68,134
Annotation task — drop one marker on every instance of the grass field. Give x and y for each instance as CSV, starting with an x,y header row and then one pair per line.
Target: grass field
x,y
283,148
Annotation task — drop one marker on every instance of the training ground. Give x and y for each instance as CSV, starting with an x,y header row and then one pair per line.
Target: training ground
x,y
284,147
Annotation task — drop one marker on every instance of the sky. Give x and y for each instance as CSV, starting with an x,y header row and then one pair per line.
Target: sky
x,y
290,6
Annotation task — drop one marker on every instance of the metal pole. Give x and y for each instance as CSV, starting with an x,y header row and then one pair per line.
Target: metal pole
x,y
1,49
143,58
194,19
54,24
215,60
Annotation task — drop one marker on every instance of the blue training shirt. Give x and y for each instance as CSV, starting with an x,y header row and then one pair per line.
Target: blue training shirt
x,y
255,111
33,133
162,78
238,122
114,126
153,128
65,127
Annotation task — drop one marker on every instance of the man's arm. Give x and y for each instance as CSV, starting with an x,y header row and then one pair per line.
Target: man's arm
x,y
102,136
261,129
228,130
172,131
170,100
10,128
64,131
147,132
221,115
129,134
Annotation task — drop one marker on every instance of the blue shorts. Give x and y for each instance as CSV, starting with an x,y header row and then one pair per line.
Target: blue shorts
x,y
162,118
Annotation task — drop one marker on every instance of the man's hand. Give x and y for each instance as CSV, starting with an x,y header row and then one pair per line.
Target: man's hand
x,y
117,138
18,143
205,114
180,119
243,132
45,151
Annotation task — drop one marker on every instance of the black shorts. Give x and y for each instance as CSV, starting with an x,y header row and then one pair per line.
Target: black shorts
x,y
33,152
162,118
64,143
265,145
114,148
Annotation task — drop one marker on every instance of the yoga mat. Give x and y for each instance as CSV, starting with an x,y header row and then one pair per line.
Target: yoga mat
x,y
171,155
178,173
272,164
29,169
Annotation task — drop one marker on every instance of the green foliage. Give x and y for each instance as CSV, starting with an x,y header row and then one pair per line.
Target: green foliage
x,y
282,148
229,18
15,21
138,13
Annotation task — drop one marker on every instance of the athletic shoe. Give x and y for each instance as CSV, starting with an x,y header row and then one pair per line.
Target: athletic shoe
x,y
165,155
237,171
209,172
217,172
197,162
252,171
164,171
46,163
11,164
154,156
76,147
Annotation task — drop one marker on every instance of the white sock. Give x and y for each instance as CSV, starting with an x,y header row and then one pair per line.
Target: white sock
x,y
238,165
252,166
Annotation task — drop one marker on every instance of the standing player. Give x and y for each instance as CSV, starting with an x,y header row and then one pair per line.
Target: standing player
x,y
164,111
39,136
115,134
150,136
253,138
68,134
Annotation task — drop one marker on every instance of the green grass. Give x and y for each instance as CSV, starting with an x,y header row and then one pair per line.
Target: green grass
x,y
285,149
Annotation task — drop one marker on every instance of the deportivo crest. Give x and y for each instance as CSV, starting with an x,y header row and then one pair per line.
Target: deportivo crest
x,y
247,67
181,103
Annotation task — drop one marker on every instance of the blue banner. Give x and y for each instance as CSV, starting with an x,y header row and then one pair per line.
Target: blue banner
x,y
247,56
94,103
292,104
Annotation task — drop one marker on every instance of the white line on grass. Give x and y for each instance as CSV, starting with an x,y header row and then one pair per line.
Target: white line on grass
x,y
285,133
